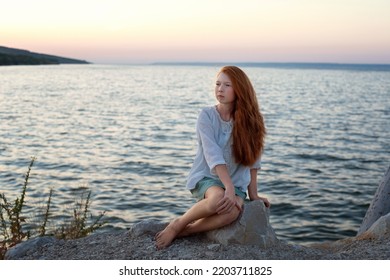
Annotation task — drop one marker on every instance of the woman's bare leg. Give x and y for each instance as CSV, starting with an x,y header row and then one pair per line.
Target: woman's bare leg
x,y
213,222
203,208
204,211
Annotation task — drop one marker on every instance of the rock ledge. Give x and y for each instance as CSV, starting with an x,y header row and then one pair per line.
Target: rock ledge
x,y
250,237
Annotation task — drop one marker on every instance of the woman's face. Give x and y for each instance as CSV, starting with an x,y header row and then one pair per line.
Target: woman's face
x,y
223,89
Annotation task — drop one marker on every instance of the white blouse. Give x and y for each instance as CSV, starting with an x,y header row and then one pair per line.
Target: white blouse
x,y
214,148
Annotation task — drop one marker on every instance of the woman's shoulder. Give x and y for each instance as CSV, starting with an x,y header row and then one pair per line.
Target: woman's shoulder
x,y
209,113
210,110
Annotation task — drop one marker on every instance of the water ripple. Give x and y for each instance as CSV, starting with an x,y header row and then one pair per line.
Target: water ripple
x,y
128,133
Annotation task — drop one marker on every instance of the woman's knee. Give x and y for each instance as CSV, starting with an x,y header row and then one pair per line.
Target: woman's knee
x,y
230,217
213,196
235,213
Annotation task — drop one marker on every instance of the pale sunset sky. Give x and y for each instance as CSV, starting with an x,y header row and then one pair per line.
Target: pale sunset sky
x,y
145,31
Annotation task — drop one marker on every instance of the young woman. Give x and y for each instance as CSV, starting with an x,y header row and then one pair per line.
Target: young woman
x,y
230,143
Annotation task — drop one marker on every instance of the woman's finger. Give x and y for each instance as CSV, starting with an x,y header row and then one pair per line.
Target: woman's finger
x,y
226,207
222,207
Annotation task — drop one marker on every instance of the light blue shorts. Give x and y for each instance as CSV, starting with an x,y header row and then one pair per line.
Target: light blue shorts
x,y
203,185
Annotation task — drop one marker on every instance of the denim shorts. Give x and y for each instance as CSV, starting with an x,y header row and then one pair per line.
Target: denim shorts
x,y
203,185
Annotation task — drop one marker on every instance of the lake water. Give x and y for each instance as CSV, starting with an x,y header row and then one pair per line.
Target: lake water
x,y
128,134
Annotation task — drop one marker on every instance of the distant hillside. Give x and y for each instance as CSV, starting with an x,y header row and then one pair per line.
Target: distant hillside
x,y
10,56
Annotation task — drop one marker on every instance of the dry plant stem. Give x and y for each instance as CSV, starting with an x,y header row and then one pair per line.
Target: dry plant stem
x,y
42,229
11,220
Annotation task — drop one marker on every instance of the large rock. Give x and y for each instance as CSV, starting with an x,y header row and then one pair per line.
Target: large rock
x,y
380,204
150,227
252,227
27,247
379,229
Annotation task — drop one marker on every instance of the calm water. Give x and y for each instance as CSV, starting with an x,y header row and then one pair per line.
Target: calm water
x,y
128,133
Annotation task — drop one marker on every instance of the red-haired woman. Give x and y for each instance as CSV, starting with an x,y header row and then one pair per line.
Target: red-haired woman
x,y
230,143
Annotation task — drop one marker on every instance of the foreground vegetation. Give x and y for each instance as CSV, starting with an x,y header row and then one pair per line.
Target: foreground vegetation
x,y
15,227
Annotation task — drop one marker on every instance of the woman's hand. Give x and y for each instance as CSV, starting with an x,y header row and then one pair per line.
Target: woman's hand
x,y
264,199
227,203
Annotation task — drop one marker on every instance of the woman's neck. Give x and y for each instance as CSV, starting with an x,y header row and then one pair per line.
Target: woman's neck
x,y
225,111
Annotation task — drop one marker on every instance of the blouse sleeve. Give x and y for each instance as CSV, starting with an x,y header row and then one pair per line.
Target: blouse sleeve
x,y
212,151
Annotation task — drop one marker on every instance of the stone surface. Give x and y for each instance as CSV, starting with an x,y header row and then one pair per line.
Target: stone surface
x,y
252,228
379,229
125,245
380,204
26,247
147,227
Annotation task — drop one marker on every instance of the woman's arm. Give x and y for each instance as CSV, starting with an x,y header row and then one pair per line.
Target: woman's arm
x,y
228,202
252,189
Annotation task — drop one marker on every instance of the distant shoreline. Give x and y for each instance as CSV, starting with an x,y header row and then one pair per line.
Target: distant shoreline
x,y
14,56
11,56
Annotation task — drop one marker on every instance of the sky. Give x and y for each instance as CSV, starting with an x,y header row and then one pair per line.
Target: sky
x,y
146,31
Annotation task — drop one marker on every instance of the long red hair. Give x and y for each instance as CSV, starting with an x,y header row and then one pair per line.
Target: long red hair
x,y
249,129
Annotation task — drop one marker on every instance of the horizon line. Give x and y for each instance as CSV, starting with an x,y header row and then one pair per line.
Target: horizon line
x,y
286,65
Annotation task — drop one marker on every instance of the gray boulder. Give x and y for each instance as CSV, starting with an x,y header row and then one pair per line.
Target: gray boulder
x,y
150,227
252,227
379,229
28,247
380,204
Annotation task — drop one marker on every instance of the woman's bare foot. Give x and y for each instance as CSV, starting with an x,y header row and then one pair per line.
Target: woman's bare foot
x,y
165,237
